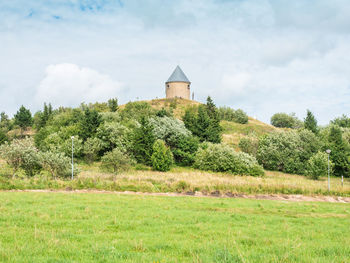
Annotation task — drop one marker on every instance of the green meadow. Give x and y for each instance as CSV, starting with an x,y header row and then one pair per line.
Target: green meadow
x,y
71,227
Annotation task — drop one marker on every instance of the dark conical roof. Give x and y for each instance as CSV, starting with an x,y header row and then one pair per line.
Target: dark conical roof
x,y
178,76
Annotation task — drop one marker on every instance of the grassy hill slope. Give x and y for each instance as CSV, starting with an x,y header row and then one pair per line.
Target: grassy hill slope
x,y
232,132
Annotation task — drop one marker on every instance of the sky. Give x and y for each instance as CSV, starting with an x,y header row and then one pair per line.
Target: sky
x,y
263,56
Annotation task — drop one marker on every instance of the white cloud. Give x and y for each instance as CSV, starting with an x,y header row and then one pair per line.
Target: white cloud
x,y
68,85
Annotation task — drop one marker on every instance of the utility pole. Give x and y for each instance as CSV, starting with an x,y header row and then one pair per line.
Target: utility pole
x,y
328,151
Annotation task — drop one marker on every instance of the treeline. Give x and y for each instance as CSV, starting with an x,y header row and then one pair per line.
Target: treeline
x,y
135,136
303,150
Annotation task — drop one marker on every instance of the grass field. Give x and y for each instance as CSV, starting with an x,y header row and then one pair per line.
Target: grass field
x,y
58,227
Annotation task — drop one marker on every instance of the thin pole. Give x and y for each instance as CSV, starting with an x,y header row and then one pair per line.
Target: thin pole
x,y
329,180
72,158
342,181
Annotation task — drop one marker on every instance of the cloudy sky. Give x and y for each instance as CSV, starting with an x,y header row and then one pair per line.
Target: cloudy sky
x,y
259,55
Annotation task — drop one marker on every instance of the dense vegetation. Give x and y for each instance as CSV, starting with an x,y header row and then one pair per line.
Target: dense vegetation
x,y
137,135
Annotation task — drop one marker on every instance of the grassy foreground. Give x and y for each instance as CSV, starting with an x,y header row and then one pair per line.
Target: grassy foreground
x,y
58,227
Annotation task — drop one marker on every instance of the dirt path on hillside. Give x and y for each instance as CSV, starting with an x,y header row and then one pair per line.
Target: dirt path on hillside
x,y
279,197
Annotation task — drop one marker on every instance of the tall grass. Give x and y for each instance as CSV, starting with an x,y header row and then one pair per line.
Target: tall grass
x,y
181,180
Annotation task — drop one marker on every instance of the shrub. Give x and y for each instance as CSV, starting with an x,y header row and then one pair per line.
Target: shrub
x,y
317,165
287,151
117,161
137,110
21,154
162,158
249,145
240,117
229,114
222,158
55,163
284,120
168,129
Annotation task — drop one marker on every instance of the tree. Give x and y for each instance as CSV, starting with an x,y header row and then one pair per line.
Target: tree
x,y
44,116
284,120
5,123
3,137
21,154
23,118
240,117
317,165
117,161
56,163
343,121
143,140
92,147
113,104
90,123
204,122
340,152
310,122
162,158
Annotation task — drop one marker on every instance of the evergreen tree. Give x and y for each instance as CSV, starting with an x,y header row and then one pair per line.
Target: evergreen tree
x,y
23,118
143,140
3,137
162,158
340,152
89,124
113,104
214,130
190,119
204,122
310,122
44,116
211,108
5,123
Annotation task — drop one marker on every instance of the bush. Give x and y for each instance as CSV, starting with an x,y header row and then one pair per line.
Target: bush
x,y
162,158
222,158
317,165
168,129
117,161
240,117
55,163
229,114
287,151
21,154
284,120
137,110
249,145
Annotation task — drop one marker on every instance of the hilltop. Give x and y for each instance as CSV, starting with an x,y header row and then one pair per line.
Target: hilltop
x,y
232,132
